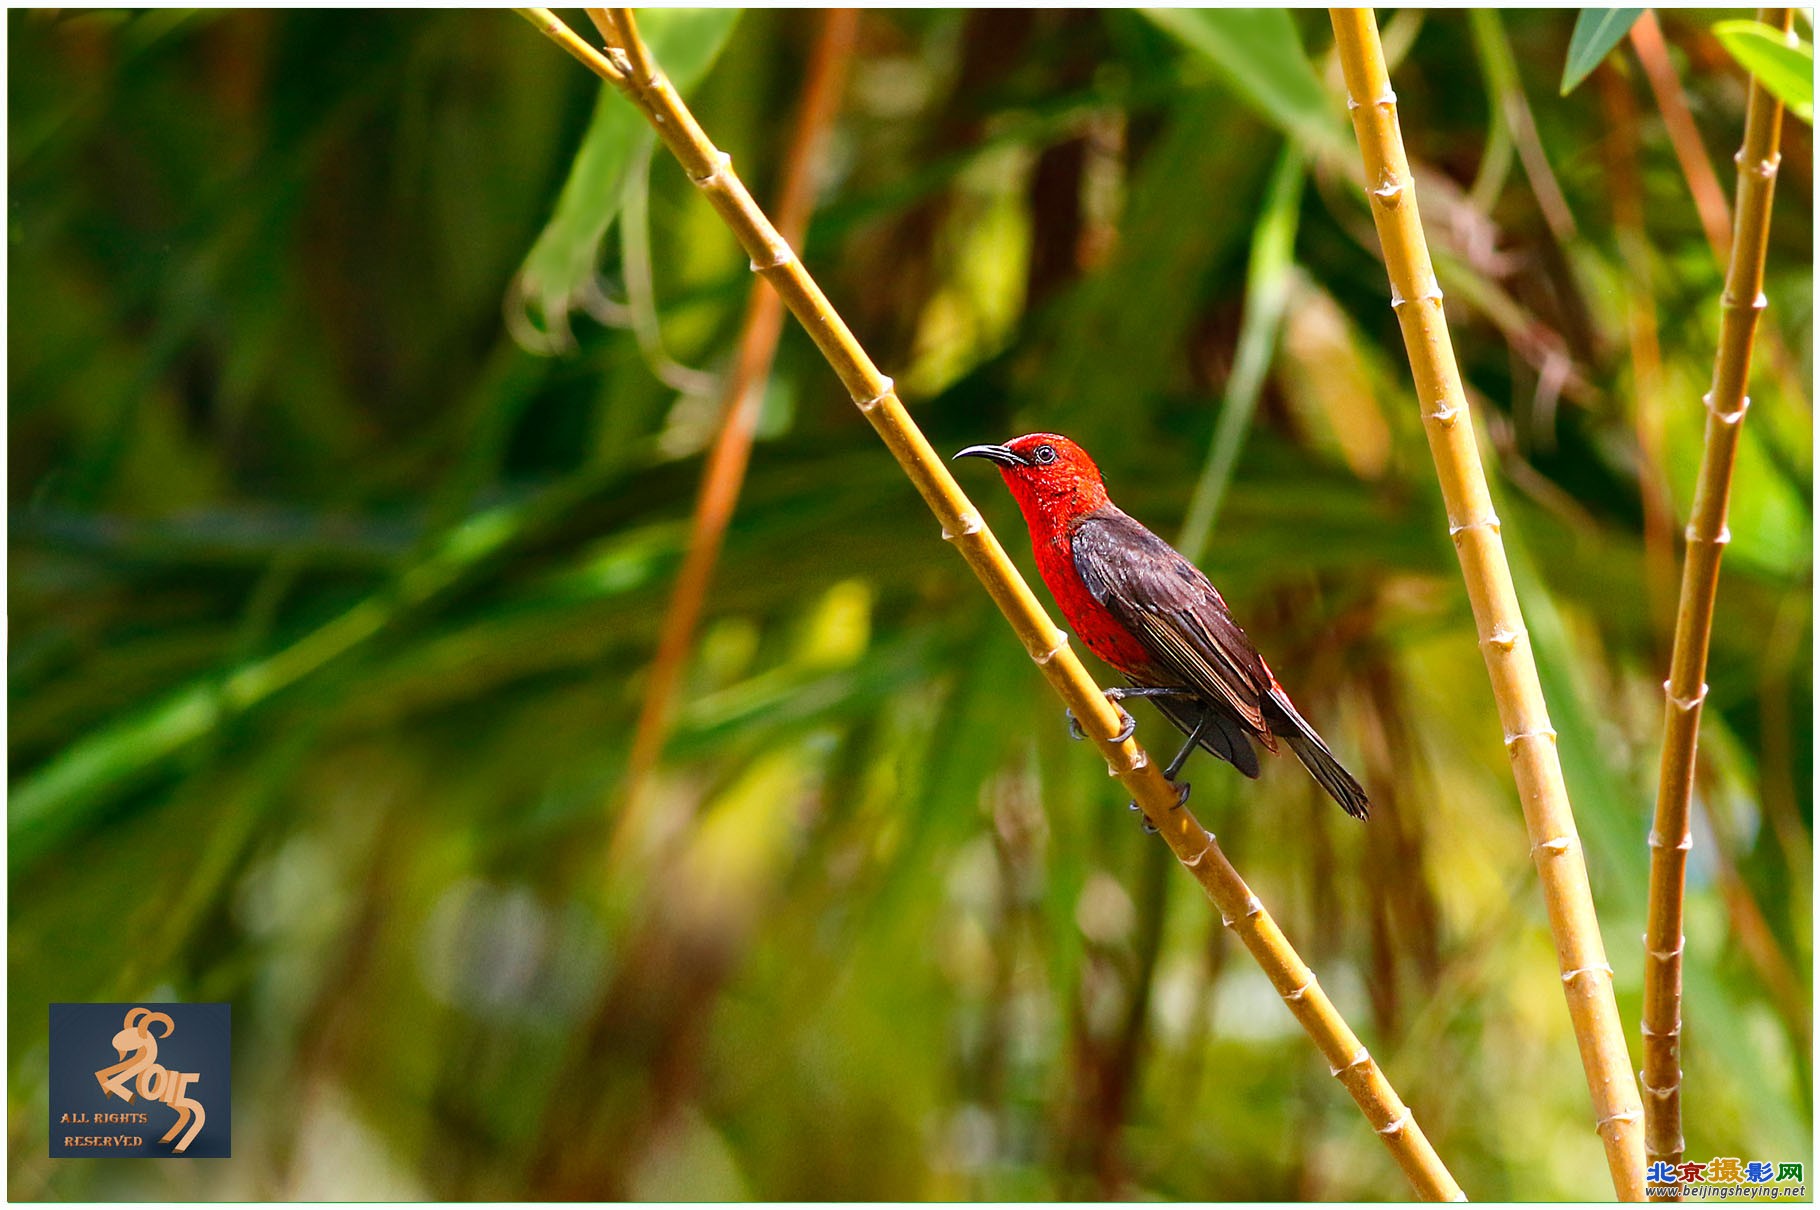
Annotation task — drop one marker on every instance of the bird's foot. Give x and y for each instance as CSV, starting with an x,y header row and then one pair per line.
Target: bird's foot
x,y
1181,796
1125,732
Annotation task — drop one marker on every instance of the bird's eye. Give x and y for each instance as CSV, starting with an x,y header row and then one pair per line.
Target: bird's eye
x,y
1043,455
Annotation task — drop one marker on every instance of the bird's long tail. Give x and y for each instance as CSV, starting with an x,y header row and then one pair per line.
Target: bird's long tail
x,y
1313,752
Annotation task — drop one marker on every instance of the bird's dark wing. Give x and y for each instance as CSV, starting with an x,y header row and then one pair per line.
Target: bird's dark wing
x,y
1166,602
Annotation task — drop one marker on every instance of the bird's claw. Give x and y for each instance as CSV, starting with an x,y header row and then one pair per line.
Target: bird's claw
x,y
1181,796
1126,731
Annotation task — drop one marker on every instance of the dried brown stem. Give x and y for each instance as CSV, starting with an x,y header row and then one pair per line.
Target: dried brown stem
x,y
1683,135
1194,847
1529,737
725,472
1670,837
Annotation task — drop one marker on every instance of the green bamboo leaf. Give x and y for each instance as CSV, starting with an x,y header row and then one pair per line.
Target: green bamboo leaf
x,y
1258,53
1266,295
1786,70
561,262
1595,33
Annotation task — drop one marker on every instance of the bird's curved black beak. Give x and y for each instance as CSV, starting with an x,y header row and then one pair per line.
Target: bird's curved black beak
x,y
997,453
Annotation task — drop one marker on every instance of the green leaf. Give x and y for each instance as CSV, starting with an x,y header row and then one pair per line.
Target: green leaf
x,y
1595,33
1786,70
1259,55
556,273
1267,282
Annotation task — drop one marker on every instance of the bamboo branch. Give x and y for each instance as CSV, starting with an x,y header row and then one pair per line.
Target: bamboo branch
x,y
1586,976
1670,836
1194,847
725,471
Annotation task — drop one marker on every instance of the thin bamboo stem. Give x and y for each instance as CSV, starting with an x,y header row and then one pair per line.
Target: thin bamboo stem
x,y
725,471
1586,976
1670,837
873,393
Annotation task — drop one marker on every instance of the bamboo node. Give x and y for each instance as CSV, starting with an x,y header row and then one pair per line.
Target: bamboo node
x,y
1390,192
1432,294
1358,1060
1621,1115
1684,704
1669,955
1554,848
1489,522
616,55
780,256
1061,640
1596,968
1732,417
1766,168
970,525
1684,844
723,168
1512,739
1141,760
1445,416
1722,538
1662,1033
1255,907
867,405
1729,302
1504,638
1294,996
1192,862
1397,1127
1661,1094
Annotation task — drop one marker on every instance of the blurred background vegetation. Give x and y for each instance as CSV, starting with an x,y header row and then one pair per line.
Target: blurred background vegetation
x,y
345,500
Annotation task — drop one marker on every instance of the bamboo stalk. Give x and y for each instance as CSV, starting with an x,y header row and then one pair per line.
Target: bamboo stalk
x,y
1586,976
1194,847
1670,836
725,471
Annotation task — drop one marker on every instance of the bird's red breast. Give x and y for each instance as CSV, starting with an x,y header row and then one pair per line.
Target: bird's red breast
x,y
1092,621
1054,504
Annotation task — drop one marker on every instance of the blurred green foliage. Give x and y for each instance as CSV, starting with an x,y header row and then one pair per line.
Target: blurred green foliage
x,y
332,593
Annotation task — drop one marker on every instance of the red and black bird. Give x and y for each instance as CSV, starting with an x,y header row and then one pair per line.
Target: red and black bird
x,y
1153,616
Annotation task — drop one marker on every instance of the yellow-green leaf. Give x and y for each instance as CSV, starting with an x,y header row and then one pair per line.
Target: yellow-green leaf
x,y
561,262
1784,67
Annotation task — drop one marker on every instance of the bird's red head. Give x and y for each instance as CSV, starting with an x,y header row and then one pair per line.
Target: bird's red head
x,y
1052,478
